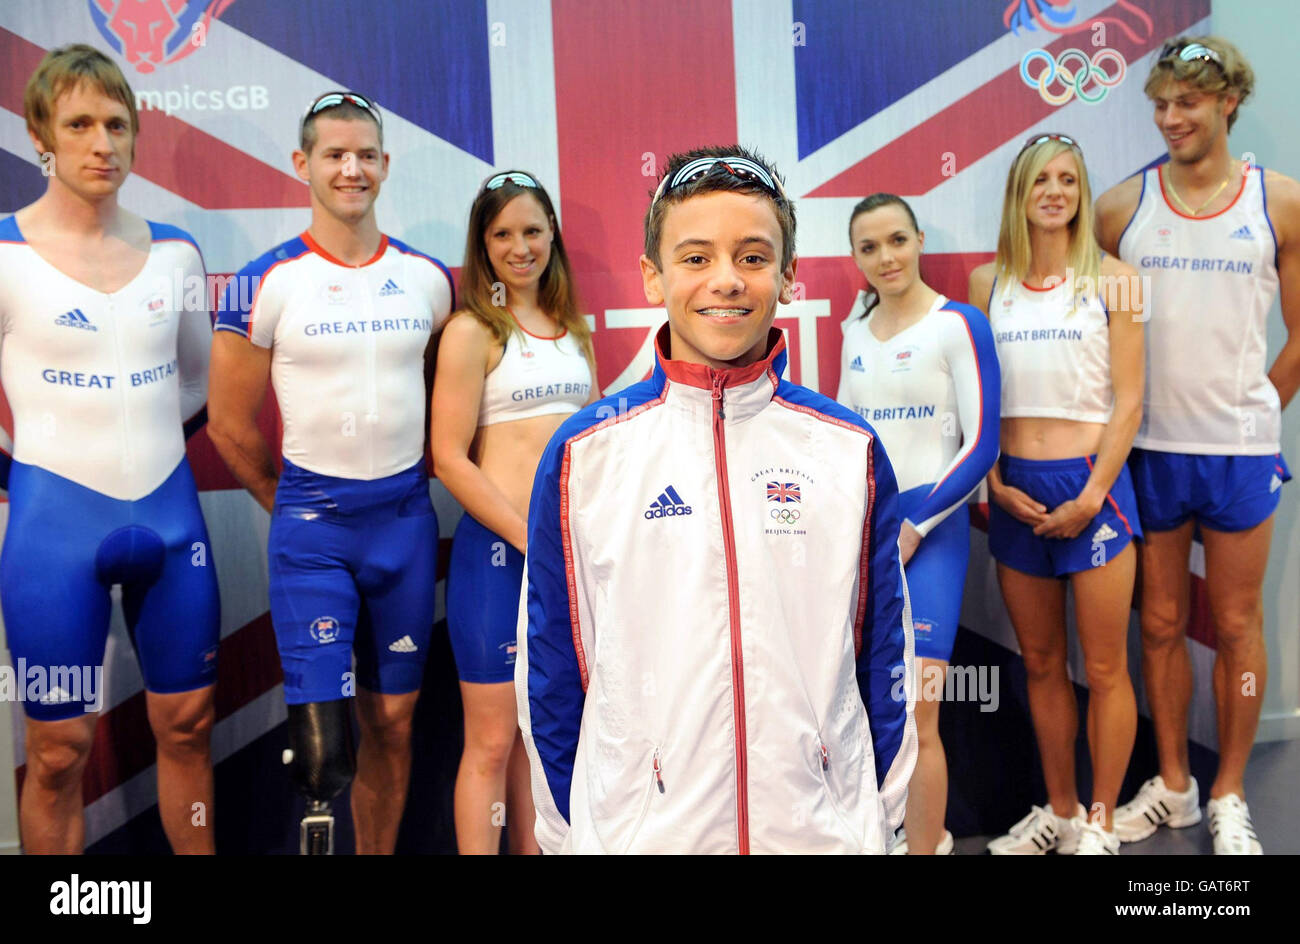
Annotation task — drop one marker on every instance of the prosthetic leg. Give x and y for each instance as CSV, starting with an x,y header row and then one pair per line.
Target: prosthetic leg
x,y
322,761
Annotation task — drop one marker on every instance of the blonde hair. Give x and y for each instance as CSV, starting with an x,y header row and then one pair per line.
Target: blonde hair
x,y
1014,253
1231,74
62,70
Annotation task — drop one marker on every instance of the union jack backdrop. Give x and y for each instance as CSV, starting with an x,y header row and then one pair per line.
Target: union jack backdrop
x,y
929,99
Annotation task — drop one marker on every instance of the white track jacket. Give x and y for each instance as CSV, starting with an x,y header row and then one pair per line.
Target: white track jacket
x,y
715,642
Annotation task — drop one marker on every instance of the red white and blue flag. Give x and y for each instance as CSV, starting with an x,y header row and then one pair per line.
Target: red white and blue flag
x,y
782,492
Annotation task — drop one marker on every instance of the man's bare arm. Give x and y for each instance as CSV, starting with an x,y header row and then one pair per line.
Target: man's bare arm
x,y
1114,210
240,374
1284,209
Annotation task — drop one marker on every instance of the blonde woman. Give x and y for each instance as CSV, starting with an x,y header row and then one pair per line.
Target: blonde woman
x,y
1061,501
513,364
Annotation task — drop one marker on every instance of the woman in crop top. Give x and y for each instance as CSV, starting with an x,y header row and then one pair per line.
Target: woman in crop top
x,y
923,372
1068,327
513,364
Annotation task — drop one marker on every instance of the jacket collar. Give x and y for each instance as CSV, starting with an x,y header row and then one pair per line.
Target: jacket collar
x,y
746,390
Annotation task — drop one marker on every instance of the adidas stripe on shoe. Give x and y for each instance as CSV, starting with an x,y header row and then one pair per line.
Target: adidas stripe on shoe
x,y
1154,806
1039,833
1094,839
1230,825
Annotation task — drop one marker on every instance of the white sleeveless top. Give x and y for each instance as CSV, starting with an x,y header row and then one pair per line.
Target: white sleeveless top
x,y
1054,352
535,377
1213,280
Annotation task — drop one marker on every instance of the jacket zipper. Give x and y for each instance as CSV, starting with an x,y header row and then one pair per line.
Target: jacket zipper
x,y
733,607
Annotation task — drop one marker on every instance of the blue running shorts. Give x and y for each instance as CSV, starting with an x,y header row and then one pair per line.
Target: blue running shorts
x,y
483,584
1053,482
353,567
936,576
1223,493
65,547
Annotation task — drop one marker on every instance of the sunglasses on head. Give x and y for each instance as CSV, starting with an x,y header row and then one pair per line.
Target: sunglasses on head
x,y
740,167
1190,52
1042,138
334,99
514,177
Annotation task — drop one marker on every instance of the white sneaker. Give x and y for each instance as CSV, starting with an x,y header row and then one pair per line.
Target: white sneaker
x,y
1038,833
1154,806
945,846
1095,840
1230,825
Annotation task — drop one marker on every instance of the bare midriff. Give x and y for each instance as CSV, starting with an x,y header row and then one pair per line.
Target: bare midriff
x,y
508,454
1036,437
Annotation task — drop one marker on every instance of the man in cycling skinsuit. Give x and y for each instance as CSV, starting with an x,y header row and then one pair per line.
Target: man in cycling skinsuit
x,y
340,323
101,364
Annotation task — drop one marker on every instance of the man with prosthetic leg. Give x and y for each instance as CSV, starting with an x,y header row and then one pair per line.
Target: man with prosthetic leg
x,y
340,323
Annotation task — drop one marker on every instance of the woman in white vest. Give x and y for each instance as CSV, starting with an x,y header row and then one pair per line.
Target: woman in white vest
x,y
513,365
1061,501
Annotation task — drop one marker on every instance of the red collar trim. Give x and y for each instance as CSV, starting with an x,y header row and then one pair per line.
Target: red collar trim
x,y
1164,192
541,337
320,251
701,375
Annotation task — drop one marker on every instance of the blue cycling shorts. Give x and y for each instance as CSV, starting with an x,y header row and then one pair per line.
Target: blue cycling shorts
x,y
483,585
65,547
353,568
936,576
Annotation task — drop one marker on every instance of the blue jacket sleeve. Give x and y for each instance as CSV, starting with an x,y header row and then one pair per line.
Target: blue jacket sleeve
x,y
548,680
885,659
972,357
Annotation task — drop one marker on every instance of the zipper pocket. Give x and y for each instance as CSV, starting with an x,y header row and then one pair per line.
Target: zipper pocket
x,y
656,785
824,767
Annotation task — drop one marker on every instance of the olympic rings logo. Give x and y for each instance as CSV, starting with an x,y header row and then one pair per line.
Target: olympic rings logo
x,y
785,515
1073,82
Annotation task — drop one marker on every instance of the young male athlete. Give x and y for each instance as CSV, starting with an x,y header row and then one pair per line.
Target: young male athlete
x,y
340,324
715,641
102,363
1218,238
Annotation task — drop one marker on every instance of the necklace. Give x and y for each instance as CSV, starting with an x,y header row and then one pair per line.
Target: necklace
x,y
1179,200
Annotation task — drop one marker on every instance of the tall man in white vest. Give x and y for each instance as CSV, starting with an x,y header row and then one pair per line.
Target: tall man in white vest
x,y
1218,237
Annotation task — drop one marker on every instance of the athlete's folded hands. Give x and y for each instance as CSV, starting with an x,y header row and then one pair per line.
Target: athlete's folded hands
x,y
1067,519
1019,505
